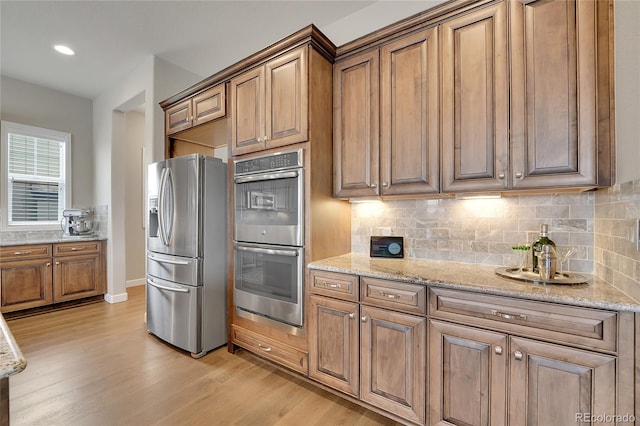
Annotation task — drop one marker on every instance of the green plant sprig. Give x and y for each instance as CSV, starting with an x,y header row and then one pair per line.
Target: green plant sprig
x,y
521,247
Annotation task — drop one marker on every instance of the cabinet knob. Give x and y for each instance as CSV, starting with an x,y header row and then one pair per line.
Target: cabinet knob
x,y
519,175
352,315
373,185
518,355
259,139
57,263
498,350
501,176
385,184
266,138
48,264
364,318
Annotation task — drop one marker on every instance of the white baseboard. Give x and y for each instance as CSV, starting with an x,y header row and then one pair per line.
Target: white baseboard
x,y
116,298
136,282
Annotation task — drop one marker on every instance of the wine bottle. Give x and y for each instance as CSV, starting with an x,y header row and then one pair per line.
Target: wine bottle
x,y
536,246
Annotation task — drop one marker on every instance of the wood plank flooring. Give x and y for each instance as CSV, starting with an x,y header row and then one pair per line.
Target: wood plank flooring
x,y
96,365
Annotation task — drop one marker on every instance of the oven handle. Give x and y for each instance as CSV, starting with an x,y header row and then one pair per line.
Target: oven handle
x,y
161,287
289,253
265,176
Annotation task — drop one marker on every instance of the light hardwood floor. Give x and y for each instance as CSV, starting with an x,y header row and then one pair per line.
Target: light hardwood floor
x,y
97,365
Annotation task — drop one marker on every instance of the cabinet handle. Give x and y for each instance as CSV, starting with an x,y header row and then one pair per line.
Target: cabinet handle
x,y
385,184
501,176
77,248
266,138
373,185
21,253
498,350
519,175
48,264
364,318
390,295
507,316
352,315
264,348
57,263
331,285
518,355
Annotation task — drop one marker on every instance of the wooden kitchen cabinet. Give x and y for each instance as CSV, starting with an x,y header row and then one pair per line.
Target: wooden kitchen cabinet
x,y
356,348
386,119
560,93
78,271
25,277
269,104
200,108
475,101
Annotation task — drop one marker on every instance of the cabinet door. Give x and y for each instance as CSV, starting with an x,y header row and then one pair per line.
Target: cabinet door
x,y
553,86
467,375
247,112
25,284
409,135
553,385
286,112
333,344
209,105
76,277
393,362
355,126
475,101
178,117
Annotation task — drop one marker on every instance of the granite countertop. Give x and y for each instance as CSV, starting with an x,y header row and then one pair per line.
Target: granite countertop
x,y
596,293
11,359
38,239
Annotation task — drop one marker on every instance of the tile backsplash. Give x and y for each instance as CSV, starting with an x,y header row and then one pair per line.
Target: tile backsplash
x,y
616,259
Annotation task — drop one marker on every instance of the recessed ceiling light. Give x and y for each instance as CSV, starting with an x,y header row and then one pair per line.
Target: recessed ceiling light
x,y
64,49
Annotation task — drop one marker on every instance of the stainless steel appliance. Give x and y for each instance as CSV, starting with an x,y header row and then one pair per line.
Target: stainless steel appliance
x,y
186,252
76,223
269,239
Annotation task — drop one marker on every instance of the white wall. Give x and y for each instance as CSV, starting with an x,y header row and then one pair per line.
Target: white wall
x,y
26,103
627,63
134,198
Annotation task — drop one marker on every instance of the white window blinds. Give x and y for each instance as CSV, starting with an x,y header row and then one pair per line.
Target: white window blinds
x,y
35,175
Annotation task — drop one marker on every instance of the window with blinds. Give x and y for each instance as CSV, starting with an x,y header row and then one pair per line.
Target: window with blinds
x,y
35,170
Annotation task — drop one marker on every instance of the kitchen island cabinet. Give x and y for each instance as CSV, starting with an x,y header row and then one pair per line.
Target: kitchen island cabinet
x,y
39,275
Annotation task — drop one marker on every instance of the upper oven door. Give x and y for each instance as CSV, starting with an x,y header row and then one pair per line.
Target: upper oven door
x,y
269,208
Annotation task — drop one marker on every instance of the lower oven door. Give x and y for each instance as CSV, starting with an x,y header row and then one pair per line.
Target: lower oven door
x,y
173,313
268,281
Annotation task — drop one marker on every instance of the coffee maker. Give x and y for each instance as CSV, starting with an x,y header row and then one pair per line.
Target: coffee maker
x,y
76,223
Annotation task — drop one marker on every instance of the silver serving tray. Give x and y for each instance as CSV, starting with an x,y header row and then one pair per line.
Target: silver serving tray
x,y
529,276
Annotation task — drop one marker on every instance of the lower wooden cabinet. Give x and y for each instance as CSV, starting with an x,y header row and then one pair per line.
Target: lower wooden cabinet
x,y
39,275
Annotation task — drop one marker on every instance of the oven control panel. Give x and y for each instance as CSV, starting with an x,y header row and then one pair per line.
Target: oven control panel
x,y
265,163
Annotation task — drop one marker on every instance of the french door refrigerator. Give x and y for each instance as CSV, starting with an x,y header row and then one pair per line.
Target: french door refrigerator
x,y
186,252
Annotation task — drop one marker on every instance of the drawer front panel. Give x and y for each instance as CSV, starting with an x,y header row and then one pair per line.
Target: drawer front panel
x,y
394,295
67,249
341,286
32,251
275,351
591,328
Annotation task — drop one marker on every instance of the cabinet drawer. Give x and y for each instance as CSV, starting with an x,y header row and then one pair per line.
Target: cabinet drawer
x,y
31,251
395,295
341,286
280,353
591,328
66,249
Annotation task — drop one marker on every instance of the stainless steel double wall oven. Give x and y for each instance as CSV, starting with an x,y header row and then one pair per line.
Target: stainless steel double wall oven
x,y
269,239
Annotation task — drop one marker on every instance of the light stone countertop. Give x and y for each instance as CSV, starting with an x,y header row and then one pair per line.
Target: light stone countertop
x,y
596,293
6,242
11,359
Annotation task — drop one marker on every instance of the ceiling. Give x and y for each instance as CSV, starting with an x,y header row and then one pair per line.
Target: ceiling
x,y
111,38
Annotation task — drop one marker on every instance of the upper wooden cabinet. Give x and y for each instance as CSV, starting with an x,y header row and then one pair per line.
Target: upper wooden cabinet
x,y
200,108
269,104
386,119
475,101
560,93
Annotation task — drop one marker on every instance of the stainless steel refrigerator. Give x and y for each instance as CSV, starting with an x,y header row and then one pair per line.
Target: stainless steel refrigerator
x,y
186,252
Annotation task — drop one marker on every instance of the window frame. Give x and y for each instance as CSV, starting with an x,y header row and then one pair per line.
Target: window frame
x,y
39,132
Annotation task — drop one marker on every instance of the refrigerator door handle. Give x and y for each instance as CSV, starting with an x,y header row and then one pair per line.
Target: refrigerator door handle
x,y
172,262
161,219
168,189
161,287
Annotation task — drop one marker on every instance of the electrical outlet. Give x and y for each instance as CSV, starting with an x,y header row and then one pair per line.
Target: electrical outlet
x,y
385,230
